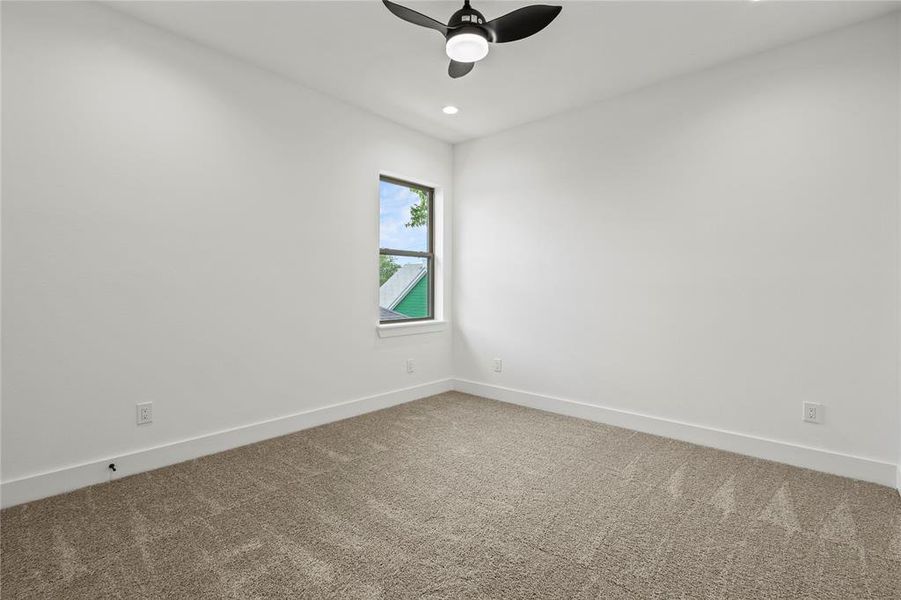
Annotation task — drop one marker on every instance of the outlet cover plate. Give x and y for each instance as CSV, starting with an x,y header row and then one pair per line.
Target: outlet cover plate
x,y
145,413
813,412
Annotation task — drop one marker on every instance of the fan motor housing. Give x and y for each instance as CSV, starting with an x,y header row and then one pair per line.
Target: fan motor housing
x,y
468,29
466,16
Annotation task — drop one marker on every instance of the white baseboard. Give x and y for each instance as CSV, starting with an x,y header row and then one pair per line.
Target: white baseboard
x,y
898,480
42,485
818,459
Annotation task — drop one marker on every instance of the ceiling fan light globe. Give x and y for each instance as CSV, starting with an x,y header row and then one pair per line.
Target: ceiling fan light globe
x,y
467,47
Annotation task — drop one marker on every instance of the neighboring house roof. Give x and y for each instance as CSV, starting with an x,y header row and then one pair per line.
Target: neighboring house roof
x,y
386,314
399,285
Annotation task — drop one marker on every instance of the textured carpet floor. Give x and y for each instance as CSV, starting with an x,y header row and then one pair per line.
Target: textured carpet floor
x,y
459,497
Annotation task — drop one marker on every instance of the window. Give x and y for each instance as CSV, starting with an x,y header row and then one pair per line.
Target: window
x,y
406,259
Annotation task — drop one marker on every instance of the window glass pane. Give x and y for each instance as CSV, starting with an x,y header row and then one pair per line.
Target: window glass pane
x,y
404,287
403,217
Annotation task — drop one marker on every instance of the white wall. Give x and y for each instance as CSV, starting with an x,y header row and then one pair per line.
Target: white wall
x,y
181,228
898,473
714,249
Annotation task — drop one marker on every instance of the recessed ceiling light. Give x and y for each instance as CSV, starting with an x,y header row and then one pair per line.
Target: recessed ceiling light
x,y
450,110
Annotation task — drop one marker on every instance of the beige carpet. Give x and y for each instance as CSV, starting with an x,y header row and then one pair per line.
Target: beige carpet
x,y
459,497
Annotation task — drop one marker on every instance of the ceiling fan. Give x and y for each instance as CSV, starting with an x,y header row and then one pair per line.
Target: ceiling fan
x,y
468,33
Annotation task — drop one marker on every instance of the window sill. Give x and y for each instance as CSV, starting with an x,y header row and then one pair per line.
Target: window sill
x,y
417,327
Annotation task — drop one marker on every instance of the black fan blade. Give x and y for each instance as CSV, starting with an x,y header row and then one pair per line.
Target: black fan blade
x,y
521,23
459,69
416,18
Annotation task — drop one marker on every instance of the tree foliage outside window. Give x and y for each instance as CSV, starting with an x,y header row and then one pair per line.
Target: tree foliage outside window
x,y
419,213
387,267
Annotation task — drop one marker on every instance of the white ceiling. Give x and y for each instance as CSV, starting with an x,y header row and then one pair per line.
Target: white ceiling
x,y
361,53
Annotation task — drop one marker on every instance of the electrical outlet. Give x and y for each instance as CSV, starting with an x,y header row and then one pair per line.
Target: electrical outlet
x,y
498,365
411,365
813,412
145,413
